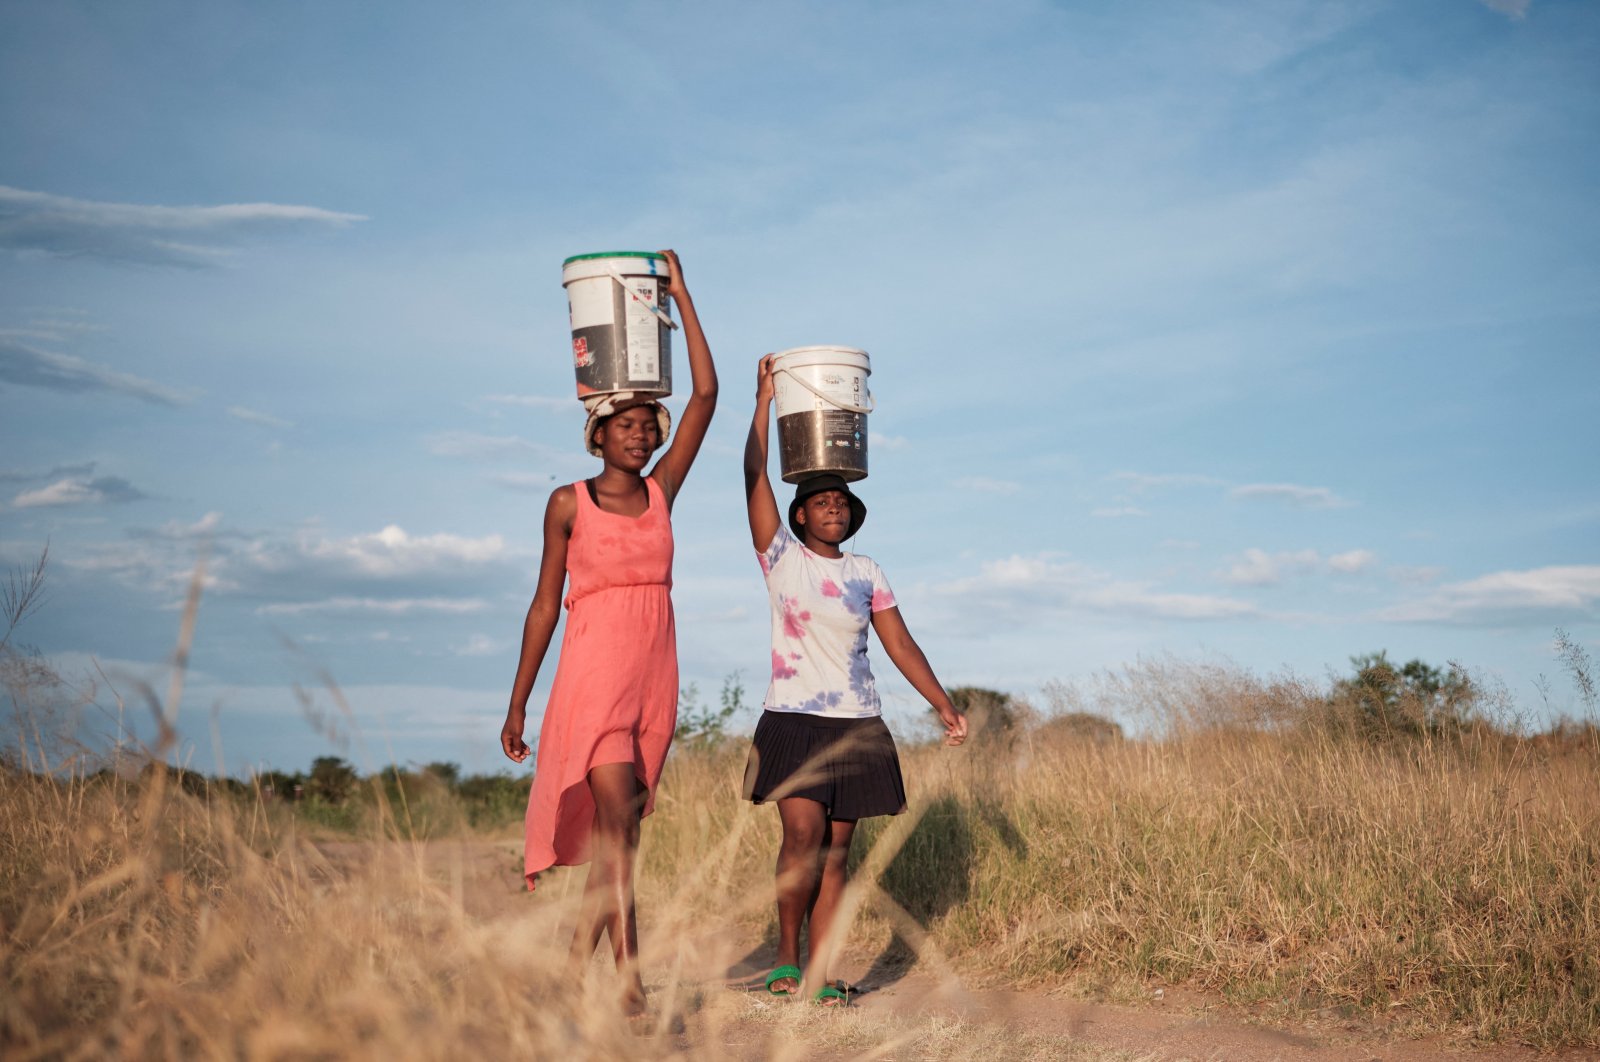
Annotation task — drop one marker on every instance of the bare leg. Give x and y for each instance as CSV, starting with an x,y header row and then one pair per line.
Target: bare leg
x,y
804,825
825,936
608,893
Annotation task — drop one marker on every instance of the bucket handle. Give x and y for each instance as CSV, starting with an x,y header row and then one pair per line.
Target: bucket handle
x,y
634,295
872,403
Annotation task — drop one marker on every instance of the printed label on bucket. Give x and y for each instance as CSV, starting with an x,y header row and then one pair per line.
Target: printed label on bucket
x,y
644,330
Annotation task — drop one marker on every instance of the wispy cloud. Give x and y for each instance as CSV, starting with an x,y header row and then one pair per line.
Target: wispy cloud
x,y
988,485
17,475
187,236
1292,493
1114,512
30,366
524,481
252,416
385,606
1533,595
1516,10
1045,584
1140,482
476,445
1257,567
564,405
1352,562
80,490
882,441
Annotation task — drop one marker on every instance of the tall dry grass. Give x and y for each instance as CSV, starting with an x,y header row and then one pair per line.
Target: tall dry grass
x,y
1252,847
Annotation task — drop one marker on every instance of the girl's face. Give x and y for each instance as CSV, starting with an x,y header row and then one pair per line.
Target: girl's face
x,y
826,516
627,439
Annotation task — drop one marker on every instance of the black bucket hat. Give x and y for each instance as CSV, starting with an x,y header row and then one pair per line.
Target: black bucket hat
x,y
818,484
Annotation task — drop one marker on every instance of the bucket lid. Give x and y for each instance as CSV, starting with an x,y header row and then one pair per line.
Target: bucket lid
x,y
615,254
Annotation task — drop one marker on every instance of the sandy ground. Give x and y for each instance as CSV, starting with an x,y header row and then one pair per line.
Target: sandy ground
x,y
916,1014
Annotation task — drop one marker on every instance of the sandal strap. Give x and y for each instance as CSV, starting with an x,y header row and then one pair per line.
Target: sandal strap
x,y
779,974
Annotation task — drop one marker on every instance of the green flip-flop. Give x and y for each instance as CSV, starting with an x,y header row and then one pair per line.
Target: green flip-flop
x,y
782,973
831,996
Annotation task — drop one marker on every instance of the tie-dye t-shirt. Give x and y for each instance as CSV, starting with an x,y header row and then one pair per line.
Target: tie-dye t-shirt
x,y
821,608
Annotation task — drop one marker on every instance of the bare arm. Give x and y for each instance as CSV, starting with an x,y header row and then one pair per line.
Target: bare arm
x,y
907,656
673,465
542,616
758,494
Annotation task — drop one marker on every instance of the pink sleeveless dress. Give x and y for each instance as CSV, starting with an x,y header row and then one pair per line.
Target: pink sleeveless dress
x,y
615,695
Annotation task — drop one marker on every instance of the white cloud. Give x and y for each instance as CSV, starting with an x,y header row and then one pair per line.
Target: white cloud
x,y
153,235
1352,561
1256,567
1534,595
1140,482
386,606
1516,10
266,420
391,553
1416,574
19,475
882,441
1293,493
387,571
1017,584
80,490
480,645
29,366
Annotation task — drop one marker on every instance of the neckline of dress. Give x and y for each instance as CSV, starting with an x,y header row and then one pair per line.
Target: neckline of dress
x,y
649,498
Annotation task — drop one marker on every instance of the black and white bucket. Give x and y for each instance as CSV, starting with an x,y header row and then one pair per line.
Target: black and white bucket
x,y
823,401
621,324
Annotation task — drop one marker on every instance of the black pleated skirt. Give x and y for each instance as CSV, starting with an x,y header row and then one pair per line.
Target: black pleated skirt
x,y
849,766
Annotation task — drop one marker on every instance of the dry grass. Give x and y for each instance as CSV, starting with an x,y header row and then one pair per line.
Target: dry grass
x,y
1449,881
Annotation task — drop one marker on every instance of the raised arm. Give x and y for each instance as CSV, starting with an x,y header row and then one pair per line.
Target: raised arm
x,y
907,656
542,616
757,488
673,465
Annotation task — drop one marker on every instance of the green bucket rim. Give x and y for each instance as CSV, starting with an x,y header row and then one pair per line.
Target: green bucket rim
x,y
615,254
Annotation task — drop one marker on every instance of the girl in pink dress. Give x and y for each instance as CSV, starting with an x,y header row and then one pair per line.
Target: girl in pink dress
x,y
613,704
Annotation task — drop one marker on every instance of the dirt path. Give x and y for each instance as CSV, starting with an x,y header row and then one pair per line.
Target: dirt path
x,y
1192,1028
921,1011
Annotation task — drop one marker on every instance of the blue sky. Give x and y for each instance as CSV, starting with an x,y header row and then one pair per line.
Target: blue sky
x,y
1250,331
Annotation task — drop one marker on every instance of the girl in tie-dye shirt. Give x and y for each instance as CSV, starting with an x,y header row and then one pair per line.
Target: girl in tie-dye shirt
x,y
821,750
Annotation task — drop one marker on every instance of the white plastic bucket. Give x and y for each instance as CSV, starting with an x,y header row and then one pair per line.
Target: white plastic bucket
x,y
823,401
621,328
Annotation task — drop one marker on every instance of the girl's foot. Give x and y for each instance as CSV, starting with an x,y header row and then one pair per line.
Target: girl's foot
x,y
784,980
830,995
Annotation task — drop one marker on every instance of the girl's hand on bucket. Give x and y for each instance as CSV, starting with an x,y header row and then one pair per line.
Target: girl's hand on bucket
x,y
765,388
675,285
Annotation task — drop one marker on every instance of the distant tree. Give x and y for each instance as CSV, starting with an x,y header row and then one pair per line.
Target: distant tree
x,y
448,773
1412,700
702,726
993,717
332,779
